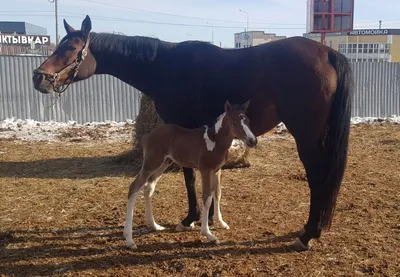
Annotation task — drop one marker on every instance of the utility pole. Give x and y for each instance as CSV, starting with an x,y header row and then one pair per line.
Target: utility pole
x,y
212,32
247,28
56,15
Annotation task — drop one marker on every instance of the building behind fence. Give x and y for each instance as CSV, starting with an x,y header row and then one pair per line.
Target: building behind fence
x,y
103,97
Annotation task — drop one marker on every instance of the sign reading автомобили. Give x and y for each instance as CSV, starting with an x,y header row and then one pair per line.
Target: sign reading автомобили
x,y
9,39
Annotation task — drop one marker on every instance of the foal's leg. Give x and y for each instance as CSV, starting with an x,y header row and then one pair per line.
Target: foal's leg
x,y
148,193
217,199
207,178
149,167
134,189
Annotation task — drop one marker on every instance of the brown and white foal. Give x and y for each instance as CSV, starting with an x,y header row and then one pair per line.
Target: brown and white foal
x,y
204,148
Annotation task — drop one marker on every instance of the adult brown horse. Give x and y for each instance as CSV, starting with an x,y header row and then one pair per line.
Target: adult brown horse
x,y
297,81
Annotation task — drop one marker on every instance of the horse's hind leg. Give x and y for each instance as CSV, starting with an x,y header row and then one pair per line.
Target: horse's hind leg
x,y
316,170
217,199
148,193
134,189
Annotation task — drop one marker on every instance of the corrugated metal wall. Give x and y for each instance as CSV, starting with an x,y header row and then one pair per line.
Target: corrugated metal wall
x,y
104,97
377,89
99,98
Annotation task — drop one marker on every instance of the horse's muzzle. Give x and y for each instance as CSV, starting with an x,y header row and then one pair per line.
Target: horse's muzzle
x,y
251,142
41,84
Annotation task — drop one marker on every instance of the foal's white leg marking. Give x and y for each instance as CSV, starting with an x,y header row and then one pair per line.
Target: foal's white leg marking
x,y
128,221
209,143
216,184
217,211
148,193
204,222
247,130
218,124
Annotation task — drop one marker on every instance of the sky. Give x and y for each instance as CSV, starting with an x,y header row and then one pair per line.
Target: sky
x,y
179,20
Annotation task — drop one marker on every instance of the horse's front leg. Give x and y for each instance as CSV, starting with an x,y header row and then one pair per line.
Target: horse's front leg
x,y
217,198
194,209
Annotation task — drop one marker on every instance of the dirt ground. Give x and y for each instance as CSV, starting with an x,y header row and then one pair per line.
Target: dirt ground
x,y
62,211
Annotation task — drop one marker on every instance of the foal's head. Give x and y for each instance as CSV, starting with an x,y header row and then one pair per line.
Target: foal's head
x,y
239,123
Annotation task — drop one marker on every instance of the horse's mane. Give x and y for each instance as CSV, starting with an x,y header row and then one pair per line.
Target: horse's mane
x,y
131,47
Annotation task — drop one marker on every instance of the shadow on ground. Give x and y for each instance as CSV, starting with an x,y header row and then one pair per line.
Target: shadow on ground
x,y
73,243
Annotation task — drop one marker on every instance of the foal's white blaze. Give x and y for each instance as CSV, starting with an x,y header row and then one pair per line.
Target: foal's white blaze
x,y
218,125
246,128
209,143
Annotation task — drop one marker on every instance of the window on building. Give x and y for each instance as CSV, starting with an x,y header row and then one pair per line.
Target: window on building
x,y
365,52
387,48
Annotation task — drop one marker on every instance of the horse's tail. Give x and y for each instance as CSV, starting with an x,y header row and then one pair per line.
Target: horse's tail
x,y
337,140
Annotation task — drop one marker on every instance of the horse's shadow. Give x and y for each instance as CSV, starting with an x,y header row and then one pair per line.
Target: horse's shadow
x,y
69,243
73,167
124,164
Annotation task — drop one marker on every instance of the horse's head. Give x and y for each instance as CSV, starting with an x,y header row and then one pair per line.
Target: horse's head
x,y
239,122
70,62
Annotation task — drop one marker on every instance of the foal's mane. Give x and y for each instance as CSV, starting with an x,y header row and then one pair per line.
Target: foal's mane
x,y
131,47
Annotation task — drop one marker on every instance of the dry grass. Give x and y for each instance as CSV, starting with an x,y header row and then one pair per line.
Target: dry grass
x,y
62,209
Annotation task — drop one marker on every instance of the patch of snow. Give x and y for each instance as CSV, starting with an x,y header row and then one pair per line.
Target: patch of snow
x,y
31,130
394,119
51,131
370,120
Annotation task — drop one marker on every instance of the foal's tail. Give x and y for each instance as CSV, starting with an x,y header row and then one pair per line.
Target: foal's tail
x,y
337,140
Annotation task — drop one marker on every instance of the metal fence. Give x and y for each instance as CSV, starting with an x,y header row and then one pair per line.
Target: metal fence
x,y
103,97
99,98
377,89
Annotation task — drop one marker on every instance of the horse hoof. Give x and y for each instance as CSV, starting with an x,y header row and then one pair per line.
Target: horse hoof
x,y
131,246
299,246
182,228
157,227
225,226
209,236
216,242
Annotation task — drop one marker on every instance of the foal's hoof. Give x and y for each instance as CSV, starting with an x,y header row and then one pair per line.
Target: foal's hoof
x,y
225,226
299,246
182,228
131,246
157,227
216,242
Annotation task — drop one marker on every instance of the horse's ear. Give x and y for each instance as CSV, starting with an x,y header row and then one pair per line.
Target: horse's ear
x,y
86,25
67,27
246,105
227,106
